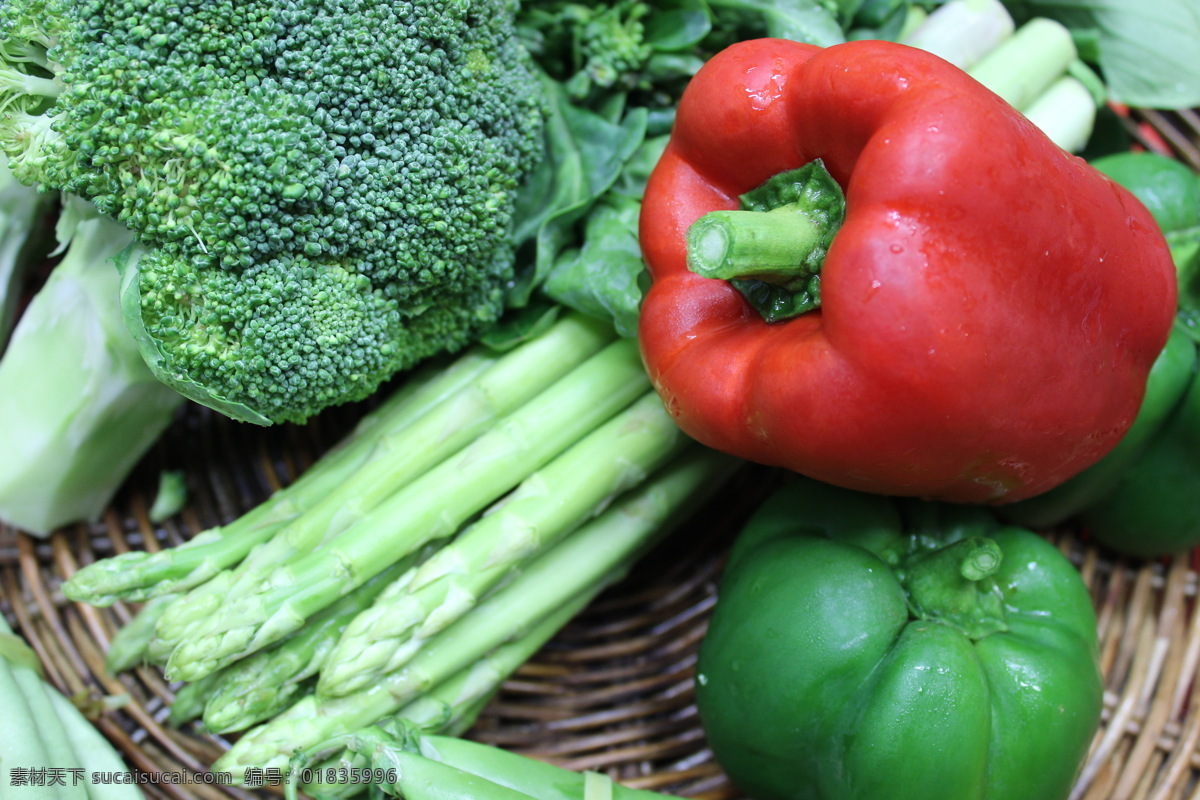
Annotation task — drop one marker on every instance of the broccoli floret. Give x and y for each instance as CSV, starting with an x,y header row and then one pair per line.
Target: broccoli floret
x,y
595,46
325,189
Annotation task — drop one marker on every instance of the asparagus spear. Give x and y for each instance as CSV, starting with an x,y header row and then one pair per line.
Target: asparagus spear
x,y
399,456
593,556
417,765
456,420
430,508
258,687
140,575
547,506
129,647
453,705
190,699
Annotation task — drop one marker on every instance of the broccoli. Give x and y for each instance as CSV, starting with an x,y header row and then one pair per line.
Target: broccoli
x,y
324,190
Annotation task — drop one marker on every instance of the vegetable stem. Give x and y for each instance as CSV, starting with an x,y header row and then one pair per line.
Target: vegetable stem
x,y
951,585
1027,63
963,31
769,246
1066,112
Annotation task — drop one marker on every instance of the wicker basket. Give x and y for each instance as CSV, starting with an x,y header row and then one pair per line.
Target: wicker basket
x,y
613,691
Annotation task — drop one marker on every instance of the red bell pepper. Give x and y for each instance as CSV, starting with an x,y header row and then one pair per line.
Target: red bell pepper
x,y
982,323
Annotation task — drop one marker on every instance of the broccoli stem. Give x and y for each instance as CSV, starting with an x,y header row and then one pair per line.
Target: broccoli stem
x,y
546,507
21,236
79,406
582,564
18,87
429,508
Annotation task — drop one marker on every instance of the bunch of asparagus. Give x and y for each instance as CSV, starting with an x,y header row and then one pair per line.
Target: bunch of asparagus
x,y
425,558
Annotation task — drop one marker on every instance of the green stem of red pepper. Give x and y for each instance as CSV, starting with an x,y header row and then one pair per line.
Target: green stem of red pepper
x,y
953,585
772,248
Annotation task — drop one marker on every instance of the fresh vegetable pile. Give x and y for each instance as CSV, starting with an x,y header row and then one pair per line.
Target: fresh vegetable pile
x,y
607,251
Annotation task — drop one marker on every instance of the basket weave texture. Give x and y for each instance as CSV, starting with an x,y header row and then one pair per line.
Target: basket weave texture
x,y
613,691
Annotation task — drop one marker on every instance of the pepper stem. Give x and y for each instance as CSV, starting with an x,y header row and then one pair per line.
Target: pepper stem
x,y
771,250
771,246
953,585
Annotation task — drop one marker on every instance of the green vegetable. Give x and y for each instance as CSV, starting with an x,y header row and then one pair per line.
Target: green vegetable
x,y
430,508
21,241
40,730
21,743
326,196
1146,51
258,687
863,647
1155,509
572,571
1169,189
420,766
78,406
170,497
95,753
546,507
128,647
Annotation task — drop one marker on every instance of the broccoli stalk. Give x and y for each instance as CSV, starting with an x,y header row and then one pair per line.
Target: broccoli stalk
x,y
21,237
78,407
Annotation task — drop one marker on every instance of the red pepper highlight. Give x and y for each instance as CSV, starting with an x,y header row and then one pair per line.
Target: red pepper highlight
x,y
989,308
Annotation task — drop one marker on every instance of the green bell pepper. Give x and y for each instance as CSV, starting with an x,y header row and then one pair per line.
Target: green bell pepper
x,y
1155,509
864,647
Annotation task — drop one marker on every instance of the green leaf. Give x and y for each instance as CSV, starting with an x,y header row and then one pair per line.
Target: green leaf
x,y
805,21
585,154
602,278
677,29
